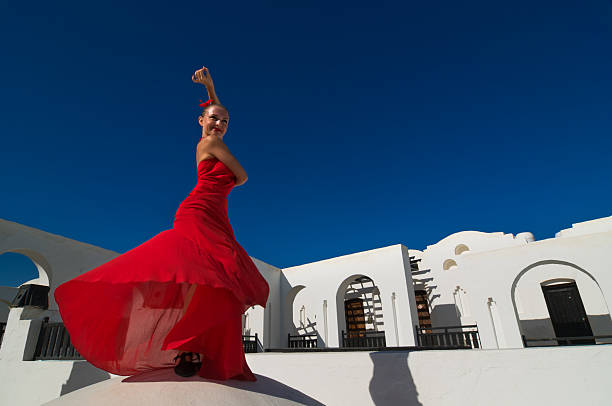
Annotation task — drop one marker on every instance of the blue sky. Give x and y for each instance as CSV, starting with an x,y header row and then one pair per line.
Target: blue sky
x,y
359,125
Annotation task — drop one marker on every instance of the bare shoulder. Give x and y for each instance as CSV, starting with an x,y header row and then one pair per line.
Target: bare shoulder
x,y
209,142
205,148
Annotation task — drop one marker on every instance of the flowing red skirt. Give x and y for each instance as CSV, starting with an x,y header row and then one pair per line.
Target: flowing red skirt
x,y
129,315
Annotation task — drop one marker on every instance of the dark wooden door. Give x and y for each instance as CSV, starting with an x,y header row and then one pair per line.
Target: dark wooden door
x,y
423,309
567,314
355,318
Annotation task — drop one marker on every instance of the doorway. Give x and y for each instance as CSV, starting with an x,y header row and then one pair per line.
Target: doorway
x,y
423,310
355,318
567,314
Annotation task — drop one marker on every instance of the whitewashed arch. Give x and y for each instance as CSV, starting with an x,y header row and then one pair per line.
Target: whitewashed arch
x,y
340,297
288,306
39,261
304,315
529,304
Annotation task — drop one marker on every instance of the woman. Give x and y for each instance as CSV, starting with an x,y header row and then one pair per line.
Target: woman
x,y
181,294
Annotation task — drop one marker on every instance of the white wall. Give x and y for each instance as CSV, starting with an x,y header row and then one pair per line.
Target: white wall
x,y
35,382
324,283
476,286
58,259
494,275
450,299
531,305
426,378
600,225
7,294
430,378
266,322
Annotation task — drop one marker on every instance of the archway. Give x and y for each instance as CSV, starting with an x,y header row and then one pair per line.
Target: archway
x,y
358,300
17,268
304,315
21,268
290,327
530,304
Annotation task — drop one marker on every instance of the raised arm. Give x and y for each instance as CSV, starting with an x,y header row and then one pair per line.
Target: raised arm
x,y
215,146
203,77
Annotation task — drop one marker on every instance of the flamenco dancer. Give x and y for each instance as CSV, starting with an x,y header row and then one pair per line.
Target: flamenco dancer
x,y
177,299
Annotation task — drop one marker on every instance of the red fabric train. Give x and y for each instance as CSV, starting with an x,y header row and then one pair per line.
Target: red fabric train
x,y
128,315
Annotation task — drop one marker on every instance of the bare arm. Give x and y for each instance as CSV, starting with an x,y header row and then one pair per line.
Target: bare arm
x,y
215,146
202,76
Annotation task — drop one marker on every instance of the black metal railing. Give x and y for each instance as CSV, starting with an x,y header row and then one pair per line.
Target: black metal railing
x,y
302,341
32,296
2,329
249,343
560,341
54,343
454,336
363,339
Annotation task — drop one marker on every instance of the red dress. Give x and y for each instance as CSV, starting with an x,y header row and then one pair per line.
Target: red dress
x,y
127,315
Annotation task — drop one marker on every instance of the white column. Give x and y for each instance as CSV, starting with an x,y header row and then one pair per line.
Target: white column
x,y
325,323
395,319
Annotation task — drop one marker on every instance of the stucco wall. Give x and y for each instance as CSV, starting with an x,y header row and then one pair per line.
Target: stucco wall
x,y
476,278
35,382
428,378
266,322
58,259
324,285
7,294
450,300
492,277
479,377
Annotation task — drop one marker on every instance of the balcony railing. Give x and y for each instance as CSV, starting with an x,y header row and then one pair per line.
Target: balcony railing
x,y
558,341
363,339
302,341
454,336
249,343
54,343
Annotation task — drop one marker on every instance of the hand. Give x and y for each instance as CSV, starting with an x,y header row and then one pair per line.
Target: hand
x,y
203,77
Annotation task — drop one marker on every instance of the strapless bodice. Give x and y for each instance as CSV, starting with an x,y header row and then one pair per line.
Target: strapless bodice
x,y
214,177
207,202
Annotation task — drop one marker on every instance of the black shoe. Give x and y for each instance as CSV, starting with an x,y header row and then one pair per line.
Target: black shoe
x,y
185,368
198,363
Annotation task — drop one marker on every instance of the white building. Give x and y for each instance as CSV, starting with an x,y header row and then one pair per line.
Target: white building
x,y
496,281
510,288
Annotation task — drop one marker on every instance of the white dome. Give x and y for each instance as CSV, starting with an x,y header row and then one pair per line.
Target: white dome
x,y
163,387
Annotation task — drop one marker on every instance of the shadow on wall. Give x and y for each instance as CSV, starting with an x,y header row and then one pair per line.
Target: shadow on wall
x,y
83,374
263,385
4,311
392,382
445,315
309,329
601,324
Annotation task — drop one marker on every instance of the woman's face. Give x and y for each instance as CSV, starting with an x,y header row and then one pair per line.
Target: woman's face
x,y
214,121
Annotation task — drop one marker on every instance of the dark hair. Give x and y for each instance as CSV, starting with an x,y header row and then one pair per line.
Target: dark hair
x,y
215,105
